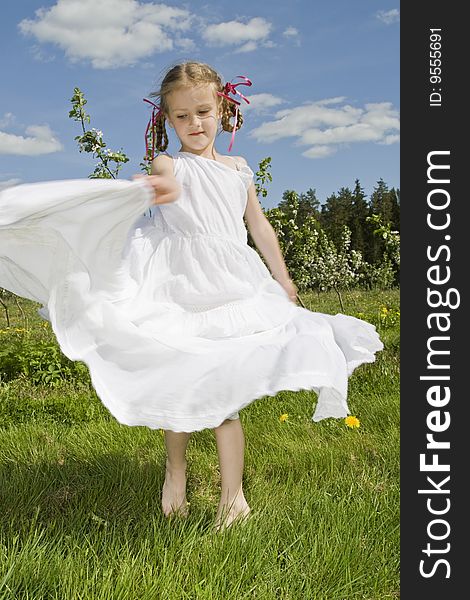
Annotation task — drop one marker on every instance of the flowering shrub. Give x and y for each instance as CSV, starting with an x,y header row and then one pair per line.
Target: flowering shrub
x,y
387,272
391,238
298,240
315,262
91,141
381,276
334,268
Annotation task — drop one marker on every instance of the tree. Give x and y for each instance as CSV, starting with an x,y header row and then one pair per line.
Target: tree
x,y
387,272
308,205
336,268
357,222
384,202
336,214
298,237
395,201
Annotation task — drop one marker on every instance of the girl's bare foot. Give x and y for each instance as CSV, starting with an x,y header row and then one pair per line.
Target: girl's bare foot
x,y
236,509
174,491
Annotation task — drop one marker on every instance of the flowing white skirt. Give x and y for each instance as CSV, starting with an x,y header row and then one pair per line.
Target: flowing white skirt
x,y
117,300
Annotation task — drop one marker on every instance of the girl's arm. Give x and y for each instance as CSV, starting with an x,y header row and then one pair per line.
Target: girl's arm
x,y
162,180
266,241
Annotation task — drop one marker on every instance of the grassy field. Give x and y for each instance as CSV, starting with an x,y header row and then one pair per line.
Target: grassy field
x,y
80,514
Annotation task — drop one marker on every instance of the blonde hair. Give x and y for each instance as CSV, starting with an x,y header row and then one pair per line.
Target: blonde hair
x,y
189,74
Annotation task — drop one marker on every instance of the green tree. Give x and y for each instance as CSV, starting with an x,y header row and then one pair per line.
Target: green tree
x,y
336,213
298,237
395,202
308,205
357,221
383,202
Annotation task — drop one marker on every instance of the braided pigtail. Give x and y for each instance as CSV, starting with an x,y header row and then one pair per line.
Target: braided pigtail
x,y
232,110
161,136
229,110
156,137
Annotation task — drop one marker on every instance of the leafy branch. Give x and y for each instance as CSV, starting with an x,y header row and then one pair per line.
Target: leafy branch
x,y
263,176
91,141
391,238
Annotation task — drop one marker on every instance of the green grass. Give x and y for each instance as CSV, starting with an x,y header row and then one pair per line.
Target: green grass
x,y
80,513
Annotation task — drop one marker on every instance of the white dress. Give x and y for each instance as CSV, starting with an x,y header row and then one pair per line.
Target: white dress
x,y
177,318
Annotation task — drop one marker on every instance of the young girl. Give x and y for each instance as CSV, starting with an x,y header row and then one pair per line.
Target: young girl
x,y
177,318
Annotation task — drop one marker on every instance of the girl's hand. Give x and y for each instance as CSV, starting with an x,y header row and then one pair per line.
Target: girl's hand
x,y
166,189
290,288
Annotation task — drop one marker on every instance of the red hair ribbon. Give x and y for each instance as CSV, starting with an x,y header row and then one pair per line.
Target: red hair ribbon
x,y
156,113
230,88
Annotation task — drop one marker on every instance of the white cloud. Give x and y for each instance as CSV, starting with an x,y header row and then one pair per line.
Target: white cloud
x,y
109,33
119,33
325,126
357,132
381,115
39,140
319,152
328,101
290,32
390,139
248,47
389,16
6,183
185,44
294,122
233,33
260,103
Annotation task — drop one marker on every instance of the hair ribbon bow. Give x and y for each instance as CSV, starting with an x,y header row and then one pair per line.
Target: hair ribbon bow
x,y
231,88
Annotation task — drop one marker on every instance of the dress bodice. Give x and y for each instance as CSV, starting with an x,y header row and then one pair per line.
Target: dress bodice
x,y
212,201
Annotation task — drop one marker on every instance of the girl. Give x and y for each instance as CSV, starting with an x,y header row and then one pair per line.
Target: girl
x,y
177,318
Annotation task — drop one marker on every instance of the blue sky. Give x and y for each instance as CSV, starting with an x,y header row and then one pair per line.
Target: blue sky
x,y
324,100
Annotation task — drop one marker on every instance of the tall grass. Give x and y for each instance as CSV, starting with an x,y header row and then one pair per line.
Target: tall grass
x,y
80,514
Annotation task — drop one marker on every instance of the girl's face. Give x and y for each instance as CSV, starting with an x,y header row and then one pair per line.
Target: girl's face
x,y
194,115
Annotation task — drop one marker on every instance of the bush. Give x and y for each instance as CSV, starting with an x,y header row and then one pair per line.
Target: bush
x,y
381,276
41,361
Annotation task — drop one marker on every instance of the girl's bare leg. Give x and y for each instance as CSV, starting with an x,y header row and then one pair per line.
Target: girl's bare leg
x,y
174,487
231,448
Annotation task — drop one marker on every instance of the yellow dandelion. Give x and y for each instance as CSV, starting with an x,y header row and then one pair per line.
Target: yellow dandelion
x,y
384,310
283,417
352,421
